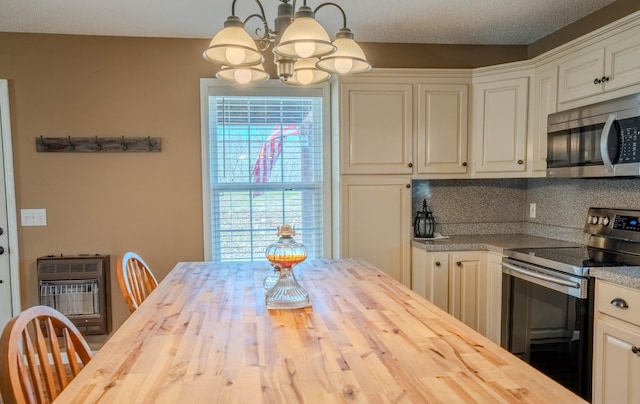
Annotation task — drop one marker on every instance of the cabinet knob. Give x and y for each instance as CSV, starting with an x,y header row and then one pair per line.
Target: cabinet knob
x,y
605,79
620,303
410,165
438,263
521,162
459,263
635,349
597,81
464,164
408,185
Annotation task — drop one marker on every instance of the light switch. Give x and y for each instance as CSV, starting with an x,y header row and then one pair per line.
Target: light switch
x,y
33,217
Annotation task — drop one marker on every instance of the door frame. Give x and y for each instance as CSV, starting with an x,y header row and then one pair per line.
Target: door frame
x,y
12,214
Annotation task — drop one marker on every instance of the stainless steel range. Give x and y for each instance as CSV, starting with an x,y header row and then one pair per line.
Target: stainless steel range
x,y
547,302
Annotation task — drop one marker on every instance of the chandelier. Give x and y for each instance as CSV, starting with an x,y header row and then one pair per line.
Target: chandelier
x,y
303,51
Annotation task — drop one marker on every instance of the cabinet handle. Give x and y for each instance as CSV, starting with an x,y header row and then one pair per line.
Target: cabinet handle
x,y
520,162
410,165
464,164
635,349
408,185
438,263
605,79
620,303
597,81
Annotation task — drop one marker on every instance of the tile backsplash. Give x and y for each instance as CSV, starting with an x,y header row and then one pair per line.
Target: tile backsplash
x,y
501,206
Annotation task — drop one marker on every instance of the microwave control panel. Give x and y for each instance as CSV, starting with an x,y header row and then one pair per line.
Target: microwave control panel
x,y
629,140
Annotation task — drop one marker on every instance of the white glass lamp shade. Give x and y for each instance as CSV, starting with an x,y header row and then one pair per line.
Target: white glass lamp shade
x,y
348,59
233,46
304,38
305,73
243,75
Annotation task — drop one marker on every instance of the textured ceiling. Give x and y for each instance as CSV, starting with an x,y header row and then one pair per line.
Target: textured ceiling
x,y
515,22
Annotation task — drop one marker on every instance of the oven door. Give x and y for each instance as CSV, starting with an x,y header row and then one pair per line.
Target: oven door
x,y
546,321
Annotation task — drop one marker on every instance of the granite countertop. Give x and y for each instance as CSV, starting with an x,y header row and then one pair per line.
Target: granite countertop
x,y
625,276
490,242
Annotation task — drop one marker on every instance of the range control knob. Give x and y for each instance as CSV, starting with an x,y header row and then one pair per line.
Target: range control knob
x,y
593,219
604,221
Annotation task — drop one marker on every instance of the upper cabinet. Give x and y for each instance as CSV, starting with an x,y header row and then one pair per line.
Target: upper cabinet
x,y
545,101
376,128
396,122
442,128
611,64
500,125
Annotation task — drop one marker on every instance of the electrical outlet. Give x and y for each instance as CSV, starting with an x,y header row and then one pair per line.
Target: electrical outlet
x,y
532,210
33,217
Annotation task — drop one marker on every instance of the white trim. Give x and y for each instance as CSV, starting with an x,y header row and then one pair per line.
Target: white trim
x,y
270,88
12,222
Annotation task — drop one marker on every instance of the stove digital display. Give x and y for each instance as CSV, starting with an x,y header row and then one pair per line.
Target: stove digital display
x,y
626,223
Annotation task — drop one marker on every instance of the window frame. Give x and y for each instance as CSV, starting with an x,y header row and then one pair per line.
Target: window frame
x,y
270,88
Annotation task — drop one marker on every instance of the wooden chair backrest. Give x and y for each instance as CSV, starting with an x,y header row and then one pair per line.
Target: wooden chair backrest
x,y
41,352
135,279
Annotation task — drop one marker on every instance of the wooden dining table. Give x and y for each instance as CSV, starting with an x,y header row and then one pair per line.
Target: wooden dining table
x,y
205,335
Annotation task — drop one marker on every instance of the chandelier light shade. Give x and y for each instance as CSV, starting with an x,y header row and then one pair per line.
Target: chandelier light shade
x,y
304,38
243,74
348,59
305,73
233,46
303,51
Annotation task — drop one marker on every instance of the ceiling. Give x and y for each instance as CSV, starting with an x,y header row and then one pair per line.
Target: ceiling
x,y
513,22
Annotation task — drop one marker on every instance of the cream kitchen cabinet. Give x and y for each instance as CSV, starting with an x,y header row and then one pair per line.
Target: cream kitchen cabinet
x,y
454,281
430,276
405,122
442,129
609,65
494,297
375,222
545,100
500,125
376,127
616,364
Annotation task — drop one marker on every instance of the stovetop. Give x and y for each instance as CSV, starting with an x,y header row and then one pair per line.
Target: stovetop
x,y
573,260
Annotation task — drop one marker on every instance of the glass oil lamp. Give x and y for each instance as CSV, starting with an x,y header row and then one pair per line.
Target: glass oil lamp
x,y
424,223
285,254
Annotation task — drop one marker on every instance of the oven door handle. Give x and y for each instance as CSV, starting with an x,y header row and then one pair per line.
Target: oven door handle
x,y
538,275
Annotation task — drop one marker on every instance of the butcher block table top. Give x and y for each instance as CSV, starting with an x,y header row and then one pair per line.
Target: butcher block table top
x,y
205,336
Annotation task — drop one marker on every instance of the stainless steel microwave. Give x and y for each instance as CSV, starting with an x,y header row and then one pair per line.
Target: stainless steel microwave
x,y
598,140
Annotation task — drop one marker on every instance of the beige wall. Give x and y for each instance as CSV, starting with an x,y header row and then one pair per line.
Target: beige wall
x,y
150,203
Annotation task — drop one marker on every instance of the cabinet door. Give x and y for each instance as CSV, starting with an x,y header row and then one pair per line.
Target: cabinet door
x,y
494,297
616,366
437,280
545,99
376,222
623,63
442,128
376,128
576,77
419,271
500,126
467,298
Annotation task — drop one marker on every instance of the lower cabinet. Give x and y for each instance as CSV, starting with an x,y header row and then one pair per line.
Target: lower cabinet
x,y
375,222
616,357
454,281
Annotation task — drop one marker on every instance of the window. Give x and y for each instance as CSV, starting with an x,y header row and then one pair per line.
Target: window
x,y
265,163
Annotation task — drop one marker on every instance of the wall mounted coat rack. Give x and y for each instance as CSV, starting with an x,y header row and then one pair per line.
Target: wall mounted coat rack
x,y
98,144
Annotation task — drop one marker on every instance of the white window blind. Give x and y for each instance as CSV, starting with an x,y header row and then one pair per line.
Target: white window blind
x,y
265,169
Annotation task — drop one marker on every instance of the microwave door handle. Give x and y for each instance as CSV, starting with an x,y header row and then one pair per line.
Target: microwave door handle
x,y
604,141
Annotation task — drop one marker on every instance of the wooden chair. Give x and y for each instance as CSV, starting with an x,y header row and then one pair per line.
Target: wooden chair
x,y
34,367
135,279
